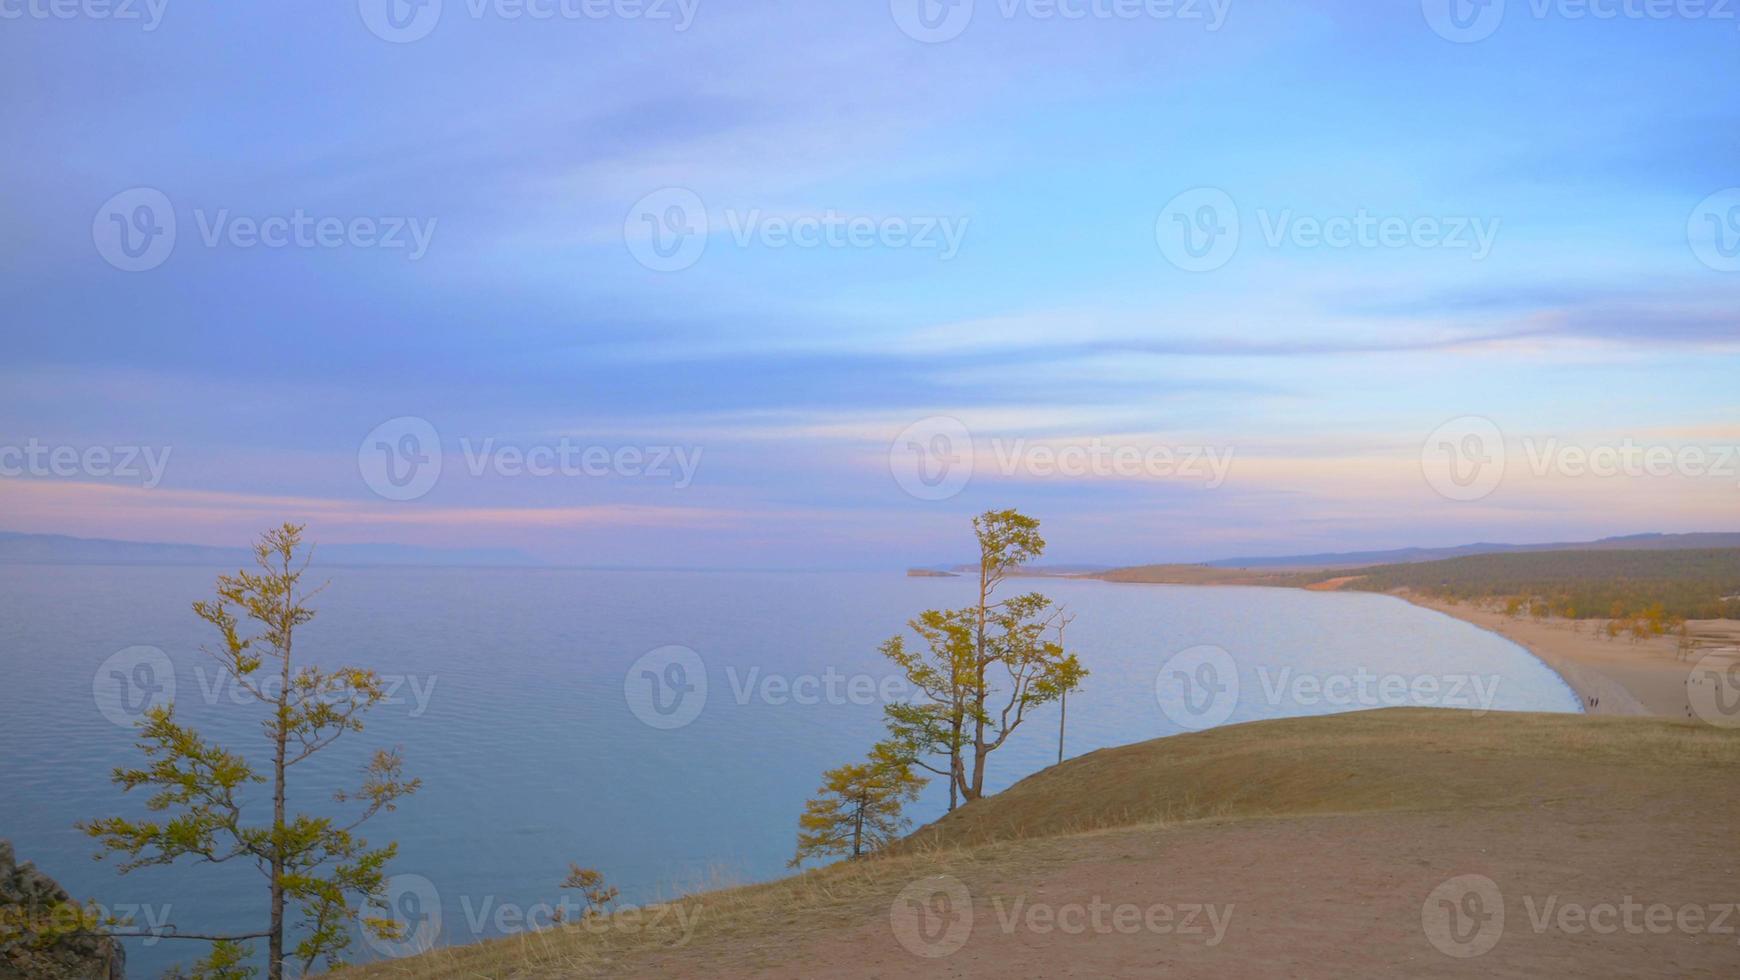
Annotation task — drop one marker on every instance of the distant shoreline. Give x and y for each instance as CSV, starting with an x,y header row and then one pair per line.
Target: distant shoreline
x,y
1611,676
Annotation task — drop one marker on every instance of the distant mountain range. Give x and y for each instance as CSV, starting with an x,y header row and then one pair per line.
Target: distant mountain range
x,y
1400,556
1397,556
60,549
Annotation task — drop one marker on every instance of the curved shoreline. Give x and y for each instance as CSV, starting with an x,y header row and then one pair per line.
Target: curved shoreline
x,y
1610,677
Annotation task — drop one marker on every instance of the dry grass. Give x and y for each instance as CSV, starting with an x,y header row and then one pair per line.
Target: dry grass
x,y
1400,759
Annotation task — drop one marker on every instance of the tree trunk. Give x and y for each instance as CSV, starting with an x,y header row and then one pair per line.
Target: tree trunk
x,y
1062,713
280,738
972,790
858,826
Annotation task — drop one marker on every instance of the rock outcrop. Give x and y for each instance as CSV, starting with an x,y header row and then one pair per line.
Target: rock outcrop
x,y
39,938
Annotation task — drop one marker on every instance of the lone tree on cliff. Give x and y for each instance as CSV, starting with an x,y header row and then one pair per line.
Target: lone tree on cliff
x,y
315,863
983,667
858,808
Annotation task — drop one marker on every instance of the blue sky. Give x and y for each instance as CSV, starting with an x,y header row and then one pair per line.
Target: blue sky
x,y
1591,153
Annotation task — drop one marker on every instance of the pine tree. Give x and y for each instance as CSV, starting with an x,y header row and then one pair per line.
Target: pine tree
x,y
315,862
857,809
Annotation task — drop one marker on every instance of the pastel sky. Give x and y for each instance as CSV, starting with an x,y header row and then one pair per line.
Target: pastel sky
x,y
607,196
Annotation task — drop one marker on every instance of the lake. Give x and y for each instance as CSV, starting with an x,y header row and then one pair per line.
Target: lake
x,y
663,727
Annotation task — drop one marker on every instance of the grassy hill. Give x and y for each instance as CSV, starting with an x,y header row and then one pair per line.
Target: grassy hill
x,y
1687,584
1498,783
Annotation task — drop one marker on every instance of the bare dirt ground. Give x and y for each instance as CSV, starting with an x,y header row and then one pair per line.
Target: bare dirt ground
x,y
1641,886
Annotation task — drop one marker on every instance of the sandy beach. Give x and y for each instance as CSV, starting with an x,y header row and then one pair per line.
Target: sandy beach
x,y
1615,677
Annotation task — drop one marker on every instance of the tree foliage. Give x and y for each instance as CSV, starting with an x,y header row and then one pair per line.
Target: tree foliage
x,y
858,808
982,668
198,790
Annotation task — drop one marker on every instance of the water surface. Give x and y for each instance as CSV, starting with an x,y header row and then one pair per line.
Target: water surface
x,y
523,702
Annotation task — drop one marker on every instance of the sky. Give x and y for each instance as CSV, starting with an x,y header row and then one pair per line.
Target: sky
x,y
781,285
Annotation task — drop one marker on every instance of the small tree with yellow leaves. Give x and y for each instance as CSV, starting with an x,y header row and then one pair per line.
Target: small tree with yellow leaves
x,y
857,809
315,863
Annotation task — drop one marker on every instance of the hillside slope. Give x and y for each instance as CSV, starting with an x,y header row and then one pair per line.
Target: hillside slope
x,y
1304,847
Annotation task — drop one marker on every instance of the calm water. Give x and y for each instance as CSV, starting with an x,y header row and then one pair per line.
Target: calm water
x,y
544,733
